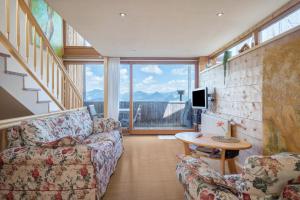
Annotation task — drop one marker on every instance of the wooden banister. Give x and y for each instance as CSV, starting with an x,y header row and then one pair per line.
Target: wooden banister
x,y
58,85
40,32
9,123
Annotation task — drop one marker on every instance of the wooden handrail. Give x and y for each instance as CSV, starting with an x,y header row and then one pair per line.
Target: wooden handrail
x,y
22,62
9,123
58,85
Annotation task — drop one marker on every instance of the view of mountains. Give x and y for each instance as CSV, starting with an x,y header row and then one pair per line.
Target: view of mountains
x,y
98,95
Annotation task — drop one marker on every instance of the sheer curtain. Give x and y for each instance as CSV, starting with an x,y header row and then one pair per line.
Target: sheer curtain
x,y
113,87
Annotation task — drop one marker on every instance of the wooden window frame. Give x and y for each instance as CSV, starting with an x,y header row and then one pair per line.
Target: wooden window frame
x,y
256,29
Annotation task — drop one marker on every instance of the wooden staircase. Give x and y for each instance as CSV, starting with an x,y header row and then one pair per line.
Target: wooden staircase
x,y
33,65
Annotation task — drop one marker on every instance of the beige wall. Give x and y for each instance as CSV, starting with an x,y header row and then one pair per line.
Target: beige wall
x,y
250,92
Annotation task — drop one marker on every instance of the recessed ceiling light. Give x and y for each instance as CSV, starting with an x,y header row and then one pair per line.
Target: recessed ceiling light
x,y
219,14
123,14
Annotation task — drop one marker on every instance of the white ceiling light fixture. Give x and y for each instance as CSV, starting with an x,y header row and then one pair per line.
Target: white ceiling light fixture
x,y
219,14
123,14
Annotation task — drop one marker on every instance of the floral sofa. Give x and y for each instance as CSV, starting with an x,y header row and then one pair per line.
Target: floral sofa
x,y
68,156
262,178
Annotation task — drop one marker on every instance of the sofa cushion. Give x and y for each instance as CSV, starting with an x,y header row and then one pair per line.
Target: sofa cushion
x,y
105,125
14,137
82,123
267,175
112,136
38,131
76,124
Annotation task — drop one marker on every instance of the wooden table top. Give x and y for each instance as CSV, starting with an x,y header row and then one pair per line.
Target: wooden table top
x,y
206,141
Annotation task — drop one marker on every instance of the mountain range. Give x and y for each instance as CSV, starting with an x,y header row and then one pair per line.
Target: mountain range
x,y
98,95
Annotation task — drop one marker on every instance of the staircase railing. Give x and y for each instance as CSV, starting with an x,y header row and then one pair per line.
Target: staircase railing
x,y
34,53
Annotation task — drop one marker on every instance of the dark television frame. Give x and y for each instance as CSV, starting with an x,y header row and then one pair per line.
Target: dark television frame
x,y
206,98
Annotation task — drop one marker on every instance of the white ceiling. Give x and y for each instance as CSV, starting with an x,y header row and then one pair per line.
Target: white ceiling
x,y
162,28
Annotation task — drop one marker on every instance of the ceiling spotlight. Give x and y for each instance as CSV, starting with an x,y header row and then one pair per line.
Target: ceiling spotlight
x,y
123,14
220,14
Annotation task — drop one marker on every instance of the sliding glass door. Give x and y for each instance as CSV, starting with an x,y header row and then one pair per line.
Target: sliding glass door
x,y
161,96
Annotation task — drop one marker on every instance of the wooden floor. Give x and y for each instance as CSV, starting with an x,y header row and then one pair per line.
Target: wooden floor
x,y
146,170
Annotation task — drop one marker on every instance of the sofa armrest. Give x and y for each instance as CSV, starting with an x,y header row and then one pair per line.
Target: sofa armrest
x,y
291,192
105,125
78,154
193,171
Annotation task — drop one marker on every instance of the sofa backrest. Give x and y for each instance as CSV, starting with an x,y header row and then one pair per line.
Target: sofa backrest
x,y
267,175
35,132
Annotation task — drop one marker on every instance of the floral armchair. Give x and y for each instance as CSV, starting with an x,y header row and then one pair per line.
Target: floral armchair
x,y
69,156
262,177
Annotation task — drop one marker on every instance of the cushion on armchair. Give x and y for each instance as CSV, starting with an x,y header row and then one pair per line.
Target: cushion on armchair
x,y
267,175
105,124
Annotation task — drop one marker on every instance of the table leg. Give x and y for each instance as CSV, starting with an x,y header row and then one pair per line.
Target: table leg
x,y
232,166
187,150
222,162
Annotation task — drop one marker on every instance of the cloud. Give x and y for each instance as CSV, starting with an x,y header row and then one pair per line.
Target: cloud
x,y
152,69
124,74
124,81
148,80
93,81
180,71
169,86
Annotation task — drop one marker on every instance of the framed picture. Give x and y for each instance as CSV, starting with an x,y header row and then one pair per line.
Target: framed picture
x,y
51,24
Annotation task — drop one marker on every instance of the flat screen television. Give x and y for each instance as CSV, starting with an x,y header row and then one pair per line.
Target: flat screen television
x,y
199,98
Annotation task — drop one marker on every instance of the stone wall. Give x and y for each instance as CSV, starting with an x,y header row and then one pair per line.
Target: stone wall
x,y
244,93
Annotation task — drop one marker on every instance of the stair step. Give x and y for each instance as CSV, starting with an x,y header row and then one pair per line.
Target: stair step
x,y
43,101
32,89
16,73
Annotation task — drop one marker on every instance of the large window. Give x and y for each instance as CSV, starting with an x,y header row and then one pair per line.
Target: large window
x,y
161,95
94,86
290,21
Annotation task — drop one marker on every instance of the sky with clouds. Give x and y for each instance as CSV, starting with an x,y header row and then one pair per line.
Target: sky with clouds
x,y
146,78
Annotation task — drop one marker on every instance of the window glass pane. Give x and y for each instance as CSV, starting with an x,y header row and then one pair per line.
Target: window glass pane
x,y
161,95
124,95
290,21
94,86
74,38
235,50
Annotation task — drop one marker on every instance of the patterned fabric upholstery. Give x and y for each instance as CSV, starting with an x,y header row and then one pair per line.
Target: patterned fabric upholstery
x,y
69,163
105,124
267,176
291,192
201,183
263,177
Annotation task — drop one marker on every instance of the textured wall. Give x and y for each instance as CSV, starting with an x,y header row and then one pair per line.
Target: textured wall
x,y
239,99
246,92
281,96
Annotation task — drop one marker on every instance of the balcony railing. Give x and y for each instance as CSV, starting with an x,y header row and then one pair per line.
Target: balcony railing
x,y
153,115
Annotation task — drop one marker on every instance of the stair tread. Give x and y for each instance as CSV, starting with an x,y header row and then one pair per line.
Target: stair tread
x,y
15,73
43,101
32,89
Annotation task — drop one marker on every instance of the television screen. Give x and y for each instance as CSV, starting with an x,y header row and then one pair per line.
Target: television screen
x,y
199,98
